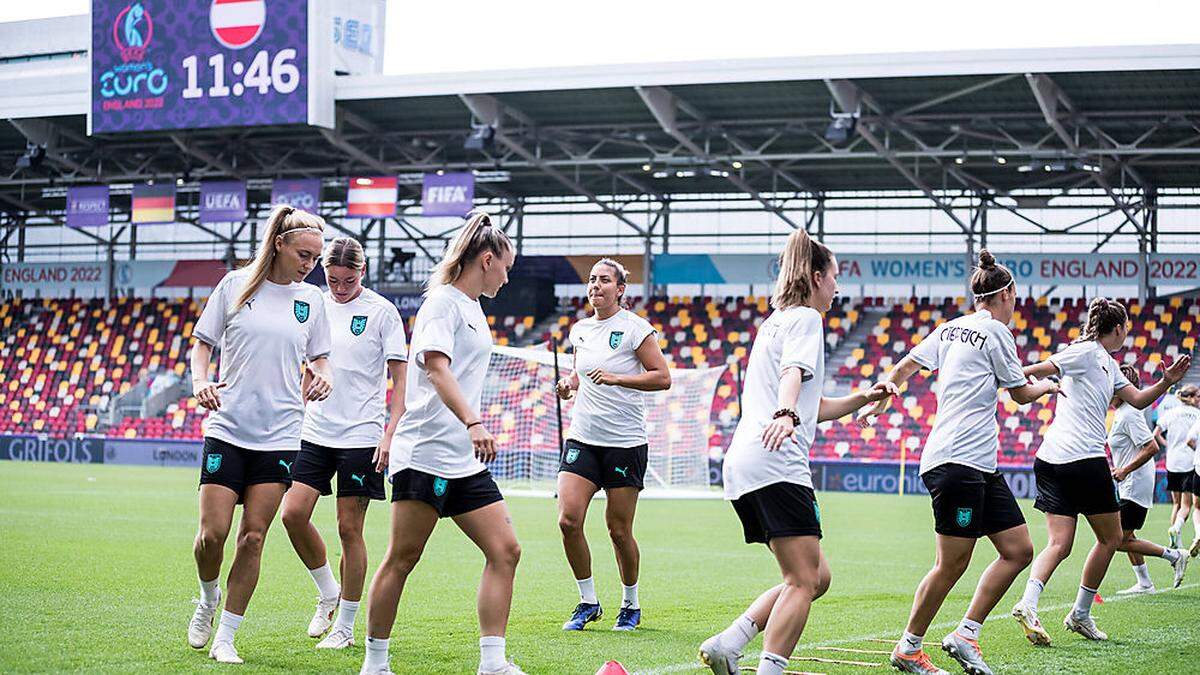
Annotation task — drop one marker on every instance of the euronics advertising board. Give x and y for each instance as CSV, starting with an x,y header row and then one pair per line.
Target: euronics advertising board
x,y
189,64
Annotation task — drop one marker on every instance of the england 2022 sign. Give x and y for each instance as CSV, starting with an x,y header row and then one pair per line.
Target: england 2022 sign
x,y
188,64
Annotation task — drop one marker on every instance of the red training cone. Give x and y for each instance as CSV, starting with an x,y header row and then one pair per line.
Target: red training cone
x,y
612,668
1099,600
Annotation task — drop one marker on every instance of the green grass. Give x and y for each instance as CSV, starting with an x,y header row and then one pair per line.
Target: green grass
x,y
96,575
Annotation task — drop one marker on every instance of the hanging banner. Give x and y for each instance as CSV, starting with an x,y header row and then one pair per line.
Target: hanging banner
x,y
189,64
358,36
87,206
448,194
1042,269
371,197
301,194
222,201
153,204
57,278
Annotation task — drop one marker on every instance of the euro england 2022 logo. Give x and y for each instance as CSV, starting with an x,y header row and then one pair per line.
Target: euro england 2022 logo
x,y
134,83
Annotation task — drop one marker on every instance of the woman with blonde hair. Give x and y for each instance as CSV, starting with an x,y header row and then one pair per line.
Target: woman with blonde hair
x,y
267,323
616,359
348,435
974,355
440,446
767,475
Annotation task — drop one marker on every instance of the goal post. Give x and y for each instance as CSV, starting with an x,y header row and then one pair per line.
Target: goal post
x,y
521,410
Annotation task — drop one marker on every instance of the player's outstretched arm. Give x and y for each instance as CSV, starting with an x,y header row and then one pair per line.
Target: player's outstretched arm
x,y
1032,391
897,376
1041,369
1142,398
834,407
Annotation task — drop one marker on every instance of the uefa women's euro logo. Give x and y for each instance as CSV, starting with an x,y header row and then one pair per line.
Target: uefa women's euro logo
x,y
132,32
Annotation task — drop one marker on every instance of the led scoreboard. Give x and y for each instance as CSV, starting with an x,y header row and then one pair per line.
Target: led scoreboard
x,y
188,64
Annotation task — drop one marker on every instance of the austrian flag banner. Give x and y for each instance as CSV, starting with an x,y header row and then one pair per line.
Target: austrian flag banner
x,y
87,206
237,23
448,194
153,204
371,197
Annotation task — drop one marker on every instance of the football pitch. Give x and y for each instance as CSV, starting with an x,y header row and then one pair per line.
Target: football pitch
x,y
96,575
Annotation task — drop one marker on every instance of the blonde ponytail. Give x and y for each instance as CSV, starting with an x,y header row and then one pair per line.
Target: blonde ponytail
x,y
476,237
283,219
802,257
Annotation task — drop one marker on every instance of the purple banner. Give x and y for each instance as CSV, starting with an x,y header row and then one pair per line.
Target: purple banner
x,y
87,206
185,64
450,194
301,194
222,201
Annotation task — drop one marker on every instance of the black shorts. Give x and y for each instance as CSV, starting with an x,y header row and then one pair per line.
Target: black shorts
x,y
1194,484
779,510
449,496
606,467
1133,515
970,503
356,474
1181,481
1084,486
237,468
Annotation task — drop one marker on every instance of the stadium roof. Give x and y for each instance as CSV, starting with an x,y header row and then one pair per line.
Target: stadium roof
x,y
1115,119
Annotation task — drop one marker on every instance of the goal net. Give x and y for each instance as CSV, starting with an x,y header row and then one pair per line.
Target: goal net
x,y
520,407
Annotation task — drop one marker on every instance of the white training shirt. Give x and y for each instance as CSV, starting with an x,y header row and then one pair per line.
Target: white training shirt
x,y
1090,377
263,349
1129,434
1175,424
1193,437
430,438
793,337
367,332
974,355
607,415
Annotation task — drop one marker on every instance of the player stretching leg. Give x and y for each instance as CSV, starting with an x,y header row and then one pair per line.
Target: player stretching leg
x,y
767,475
616,359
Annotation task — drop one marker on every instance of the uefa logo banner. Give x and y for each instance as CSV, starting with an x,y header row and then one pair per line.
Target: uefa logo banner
x,y
185,64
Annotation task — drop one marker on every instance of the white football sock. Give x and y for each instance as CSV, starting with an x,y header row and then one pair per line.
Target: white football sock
x,y
771,664
1142,574
1033,591
491,653
587,591
227,627
630,598
1170,555
210,592
739,633
327,586
377,653
1083,601
910,644
347,610
969,628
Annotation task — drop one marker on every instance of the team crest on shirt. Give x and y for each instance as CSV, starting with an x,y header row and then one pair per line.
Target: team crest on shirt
x,y
358,324
963,517
439,487
614,338
212,463
572,455
301,309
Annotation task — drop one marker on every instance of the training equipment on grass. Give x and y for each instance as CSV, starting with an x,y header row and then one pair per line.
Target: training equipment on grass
x,y
612,668
519,409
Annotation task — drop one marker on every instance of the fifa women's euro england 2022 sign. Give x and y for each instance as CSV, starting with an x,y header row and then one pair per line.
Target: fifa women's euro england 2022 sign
x,y
189,64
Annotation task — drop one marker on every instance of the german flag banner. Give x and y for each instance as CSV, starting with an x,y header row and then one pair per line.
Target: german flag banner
x,y
154,204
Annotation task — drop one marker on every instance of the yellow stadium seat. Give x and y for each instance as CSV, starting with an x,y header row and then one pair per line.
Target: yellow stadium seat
x,y
131,433
1044,414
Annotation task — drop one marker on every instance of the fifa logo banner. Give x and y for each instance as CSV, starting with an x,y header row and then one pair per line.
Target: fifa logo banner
x,y
189,64
448,194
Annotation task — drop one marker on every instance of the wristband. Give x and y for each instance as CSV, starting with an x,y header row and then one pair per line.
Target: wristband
x,y
787,412
479,422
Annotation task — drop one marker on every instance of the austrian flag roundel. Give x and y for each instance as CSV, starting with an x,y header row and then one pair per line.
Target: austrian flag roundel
x,y
237,23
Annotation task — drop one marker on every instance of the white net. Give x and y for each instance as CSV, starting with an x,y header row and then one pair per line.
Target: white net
x,y
519,408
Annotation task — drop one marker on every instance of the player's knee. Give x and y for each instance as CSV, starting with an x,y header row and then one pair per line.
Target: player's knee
x,y
350,533
507,556
824,580
570,524
294,519
620,534
1059,548
952,565
251,542
1021,554
209,540
402,560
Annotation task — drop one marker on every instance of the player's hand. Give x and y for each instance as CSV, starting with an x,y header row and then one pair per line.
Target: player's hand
x,y
778,431
319,386
868,418
565,392
1120,474
1178,369
1053,386
483,442
383,453
881,391
207,394
602,377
